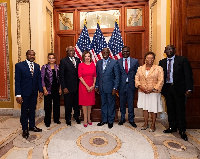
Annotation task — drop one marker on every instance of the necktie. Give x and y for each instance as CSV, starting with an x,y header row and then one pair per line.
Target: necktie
x,y
104,65
126,66
169,70
73,61
32,69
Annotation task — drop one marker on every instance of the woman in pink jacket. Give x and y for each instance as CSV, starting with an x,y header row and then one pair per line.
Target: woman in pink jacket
x,y
149,80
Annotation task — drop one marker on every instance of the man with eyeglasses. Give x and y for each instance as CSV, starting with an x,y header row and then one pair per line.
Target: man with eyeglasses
x,y
69,84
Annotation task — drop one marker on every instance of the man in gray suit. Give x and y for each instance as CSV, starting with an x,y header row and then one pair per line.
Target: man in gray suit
x,y
107,83
127,68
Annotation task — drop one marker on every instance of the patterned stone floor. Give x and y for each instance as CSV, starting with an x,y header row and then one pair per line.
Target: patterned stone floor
x,y
76,142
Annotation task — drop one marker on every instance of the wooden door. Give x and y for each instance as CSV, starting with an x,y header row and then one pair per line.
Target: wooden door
x,y
185,35
134,36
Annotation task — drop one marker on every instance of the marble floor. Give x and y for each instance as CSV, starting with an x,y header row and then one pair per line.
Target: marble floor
x,y
60,141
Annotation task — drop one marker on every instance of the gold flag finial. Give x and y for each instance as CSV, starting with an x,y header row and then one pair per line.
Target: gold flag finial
x,y
85,22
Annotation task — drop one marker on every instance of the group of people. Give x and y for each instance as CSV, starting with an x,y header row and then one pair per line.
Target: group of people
x,y
78,82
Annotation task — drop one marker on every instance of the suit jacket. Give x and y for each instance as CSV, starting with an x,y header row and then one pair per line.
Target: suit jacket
x,y
47,76
107,79
69,74
182,74
154,79
130,75
25,83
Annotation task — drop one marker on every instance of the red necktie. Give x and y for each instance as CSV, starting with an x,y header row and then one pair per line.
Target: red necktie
x,y
126,66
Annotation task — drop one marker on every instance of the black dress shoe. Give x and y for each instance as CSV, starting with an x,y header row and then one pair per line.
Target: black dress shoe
x,y
170,130
68,123
133,124
57,122
35,129
101,123
183,136
78,121
110,125
47,125
25,134
121,122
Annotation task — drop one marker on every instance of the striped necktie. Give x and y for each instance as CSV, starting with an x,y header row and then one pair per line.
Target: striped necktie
x,y
32,69
169,70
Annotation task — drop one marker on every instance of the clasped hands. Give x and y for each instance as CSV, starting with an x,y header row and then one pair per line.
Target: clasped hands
x,y
90,89
145,90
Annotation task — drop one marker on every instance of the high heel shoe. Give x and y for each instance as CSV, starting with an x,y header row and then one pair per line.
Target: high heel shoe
x,y
85,125
90,123
145,127
151,130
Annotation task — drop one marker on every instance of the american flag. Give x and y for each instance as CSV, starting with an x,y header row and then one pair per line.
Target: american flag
x,y
83,43
115,43
98,43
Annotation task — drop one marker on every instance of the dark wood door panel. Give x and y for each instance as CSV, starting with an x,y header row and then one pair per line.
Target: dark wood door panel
x,y
186,37
193,25
65,41
136,43
193,2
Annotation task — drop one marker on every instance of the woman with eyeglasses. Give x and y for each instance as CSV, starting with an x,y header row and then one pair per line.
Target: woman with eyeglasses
x,y
52,90
149,80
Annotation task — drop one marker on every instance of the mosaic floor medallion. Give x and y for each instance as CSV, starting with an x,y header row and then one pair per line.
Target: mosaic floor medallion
x,y
174,145
99,143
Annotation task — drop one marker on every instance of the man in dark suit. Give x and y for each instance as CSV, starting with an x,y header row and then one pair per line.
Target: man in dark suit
x,y
69,84
127,68
177,87
27,84
107,83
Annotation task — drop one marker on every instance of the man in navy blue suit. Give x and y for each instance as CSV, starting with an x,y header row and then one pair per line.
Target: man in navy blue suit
x,y
128,67
107,83
27,84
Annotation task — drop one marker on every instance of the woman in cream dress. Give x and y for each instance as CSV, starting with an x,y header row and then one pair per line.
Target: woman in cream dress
x,y
149,80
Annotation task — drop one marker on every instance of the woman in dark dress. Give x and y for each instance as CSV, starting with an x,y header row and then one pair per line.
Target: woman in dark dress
x,y
52,90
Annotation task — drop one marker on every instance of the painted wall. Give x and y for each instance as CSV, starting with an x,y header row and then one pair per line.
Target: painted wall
x,y
35,33
160,27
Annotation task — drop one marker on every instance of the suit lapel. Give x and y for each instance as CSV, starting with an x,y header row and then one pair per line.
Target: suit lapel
x,y
144,70
175,63
70,62
121,65
151,70
107,65
165,65
27,67
131,64
76,62
101,65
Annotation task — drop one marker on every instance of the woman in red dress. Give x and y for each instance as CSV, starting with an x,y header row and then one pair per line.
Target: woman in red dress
x,y
87,76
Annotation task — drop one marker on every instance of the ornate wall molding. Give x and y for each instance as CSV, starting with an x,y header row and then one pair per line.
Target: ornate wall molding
x,y
5,80
51,2
51,15
18,2
151,25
